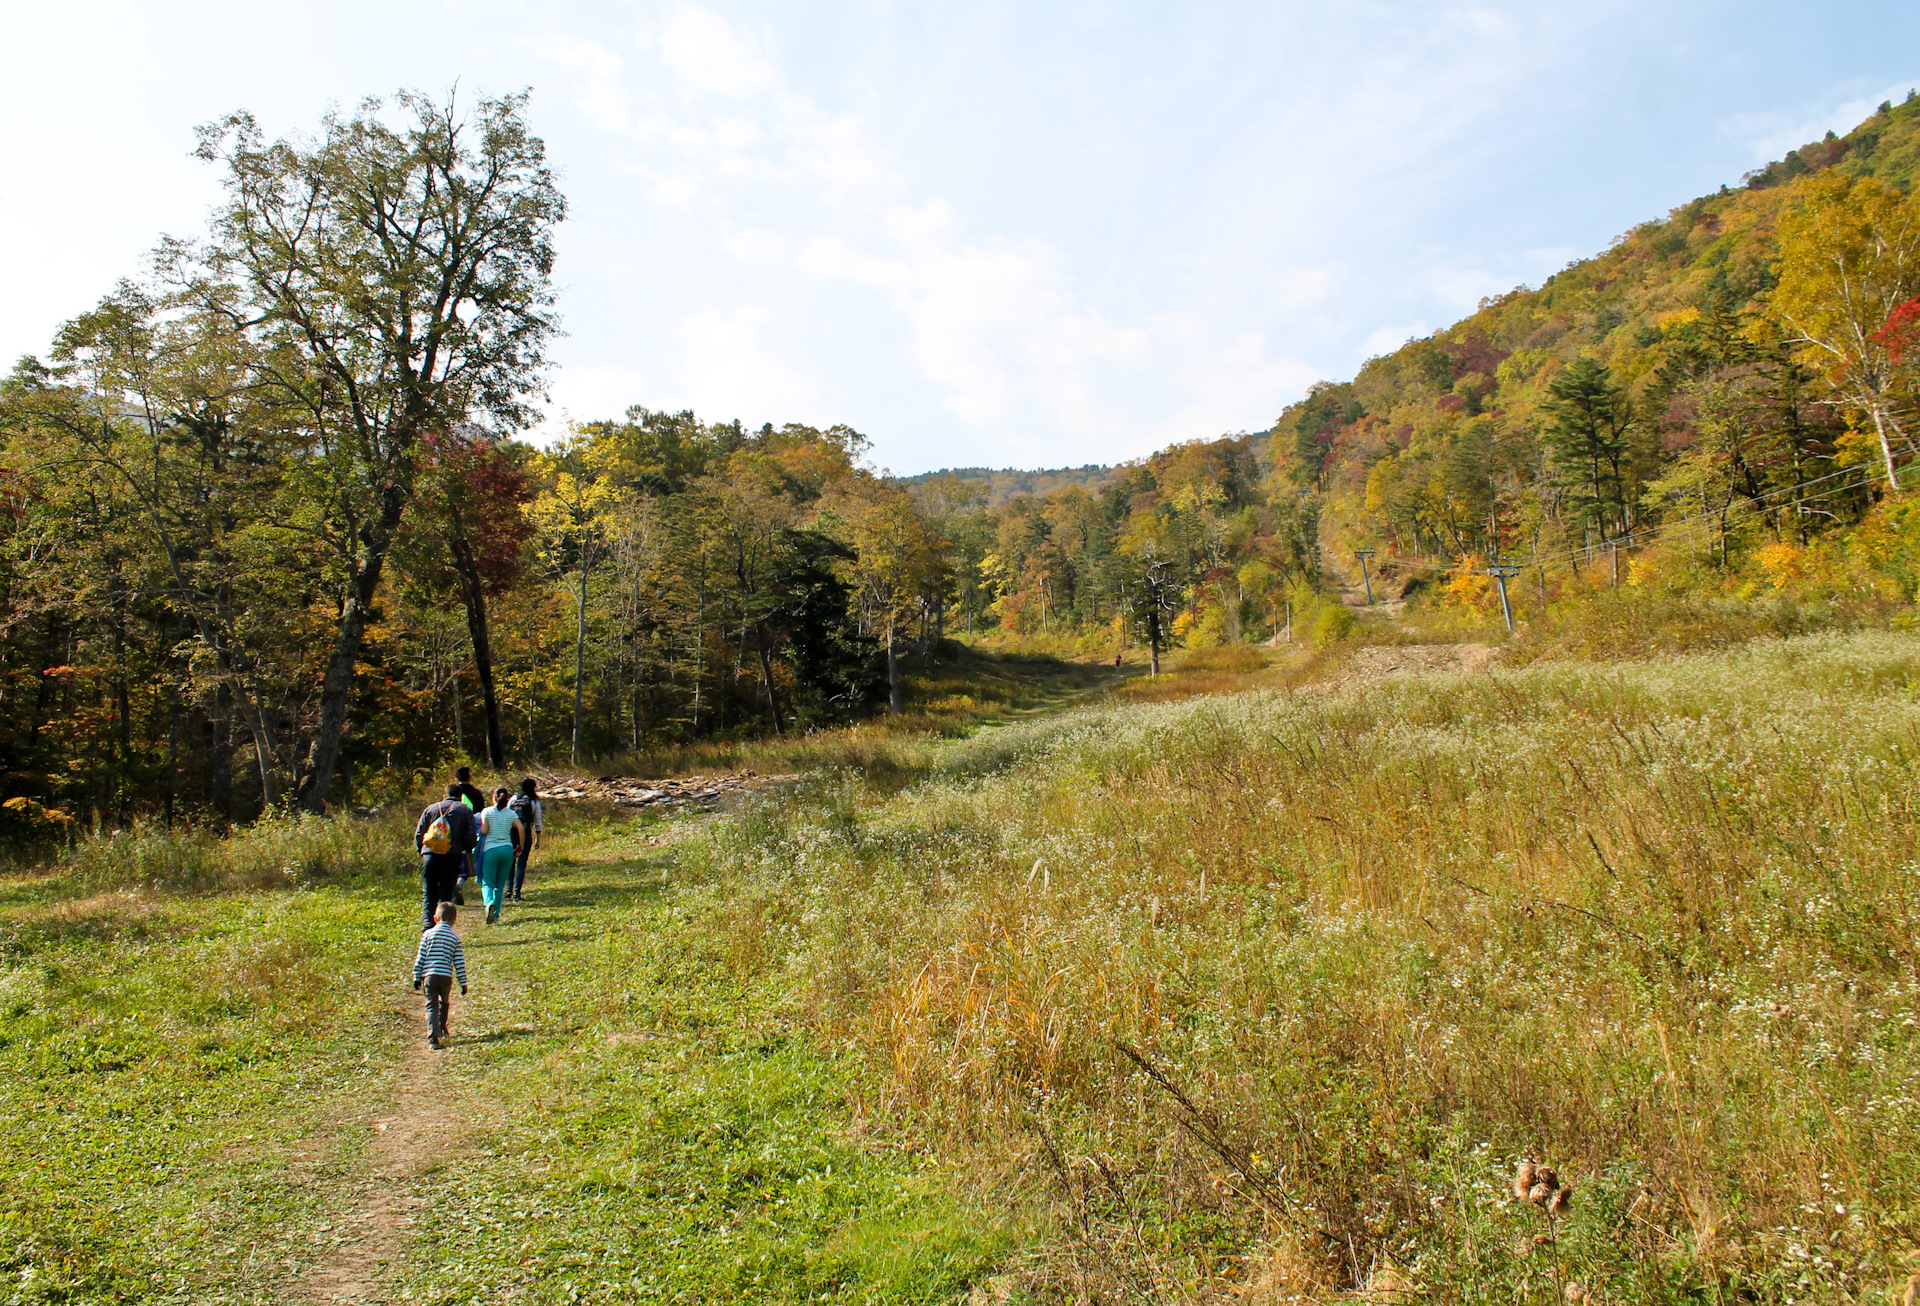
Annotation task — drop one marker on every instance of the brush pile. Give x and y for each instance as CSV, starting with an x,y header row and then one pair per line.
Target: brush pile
x,y
700,791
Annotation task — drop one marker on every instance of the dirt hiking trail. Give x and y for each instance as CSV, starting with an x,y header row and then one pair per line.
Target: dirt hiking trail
x,y
421,1131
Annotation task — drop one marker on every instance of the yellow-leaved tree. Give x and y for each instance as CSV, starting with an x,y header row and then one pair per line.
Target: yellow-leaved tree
x,y
570,520
895,554
1849,256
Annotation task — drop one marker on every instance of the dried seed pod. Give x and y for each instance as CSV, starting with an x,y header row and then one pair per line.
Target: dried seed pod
x,y
1575,1291
1540,1194
1546,1175
1562,1202
1523,1180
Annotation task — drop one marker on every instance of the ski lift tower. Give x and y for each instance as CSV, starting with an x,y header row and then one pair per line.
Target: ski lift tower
x,y
1500,571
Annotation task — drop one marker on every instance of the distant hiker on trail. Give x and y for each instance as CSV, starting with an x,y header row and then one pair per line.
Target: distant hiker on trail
x,y
504,836
526,806
443,838
439,961
475,801
463,789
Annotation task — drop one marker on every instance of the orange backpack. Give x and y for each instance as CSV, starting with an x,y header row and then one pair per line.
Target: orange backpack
x,y
439,835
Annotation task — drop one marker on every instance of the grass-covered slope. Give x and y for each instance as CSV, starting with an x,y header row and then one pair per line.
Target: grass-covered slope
x,y
202,1092
1255,996
1649,923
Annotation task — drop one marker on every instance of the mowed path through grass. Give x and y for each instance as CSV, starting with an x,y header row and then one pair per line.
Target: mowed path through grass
x,y
228,1098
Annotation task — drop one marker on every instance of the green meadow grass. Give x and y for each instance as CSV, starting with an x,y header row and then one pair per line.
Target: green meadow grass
x,y
173,1071
1655,923
649,1128
190,1081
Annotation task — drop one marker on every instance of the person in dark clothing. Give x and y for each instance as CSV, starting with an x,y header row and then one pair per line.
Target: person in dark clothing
x,y
441,869
464,789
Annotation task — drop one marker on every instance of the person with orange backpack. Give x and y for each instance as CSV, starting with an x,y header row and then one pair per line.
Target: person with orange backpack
x,y
443,838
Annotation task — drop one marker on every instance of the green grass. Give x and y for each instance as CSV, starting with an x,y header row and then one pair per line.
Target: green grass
x,y
172,1071
652,1130
190,1081
874,1040
1652,922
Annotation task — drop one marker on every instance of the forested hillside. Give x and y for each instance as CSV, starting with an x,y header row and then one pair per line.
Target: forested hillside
x,y
274,529
998,484
1739,374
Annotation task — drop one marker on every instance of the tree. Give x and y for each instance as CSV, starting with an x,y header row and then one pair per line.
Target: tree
x,y
894,554
396,280
1589,439
571,518
152,417
474,502
1849,257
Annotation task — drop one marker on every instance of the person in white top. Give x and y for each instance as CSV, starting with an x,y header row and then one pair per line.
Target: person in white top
x,y
504,835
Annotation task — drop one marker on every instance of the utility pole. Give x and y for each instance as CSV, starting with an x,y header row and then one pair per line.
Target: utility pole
x,y
1363,555
1500,571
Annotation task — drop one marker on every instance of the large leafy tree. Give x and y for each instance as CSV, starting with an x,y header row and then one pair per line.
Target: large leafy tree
x,y
395,276
1849,257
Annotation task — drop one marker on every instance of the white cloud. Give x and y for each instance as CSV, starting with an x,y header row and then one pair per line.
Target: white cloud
x,y
1768,136
992,322
1389,338
707,53
728,368
1462,289
1229,384
1302,287
801,201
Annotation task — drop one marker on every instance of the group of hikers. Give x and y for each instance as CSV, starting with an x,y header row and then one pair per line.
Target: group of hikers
x,y
462,837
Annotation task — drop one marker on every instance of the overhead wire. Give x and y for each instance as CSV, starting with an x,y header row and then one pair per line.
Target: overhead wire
x,y
1861,475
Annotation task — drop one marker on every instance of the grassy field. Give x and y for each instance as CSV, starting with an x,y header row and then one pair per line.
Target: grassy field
x,y
1269,993
196,1086
1253,997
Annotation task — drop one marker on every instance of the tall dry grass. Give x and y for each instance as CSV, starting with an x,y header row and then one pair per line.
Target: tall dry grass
x,y
280,849
1277,988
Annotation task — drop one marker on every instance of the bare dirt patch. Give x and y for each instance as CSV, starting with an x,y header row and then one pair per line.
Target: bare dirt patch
x,y
418,1133
1379,661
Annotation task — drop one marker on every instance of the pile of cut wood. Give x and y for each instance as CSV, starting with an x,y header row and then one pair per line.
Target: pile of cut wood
x,y
624,791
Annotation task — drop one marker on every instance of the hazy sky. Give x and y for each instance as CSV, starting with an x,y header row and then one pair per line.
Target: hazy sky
x,y
981,233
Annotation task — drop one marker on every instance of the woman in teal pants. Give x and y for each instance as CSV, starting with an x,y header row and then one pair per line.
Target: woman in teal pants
x,y
503,835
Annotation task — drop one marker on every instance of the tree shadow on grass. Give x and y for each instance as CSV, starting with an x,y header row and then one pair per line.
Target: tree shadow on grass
x,y
510,1035
597,892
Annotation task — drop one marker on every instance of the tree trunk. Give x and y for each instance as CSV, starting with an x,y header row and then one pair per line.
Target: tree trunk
x,y
1886,447
579,666
475,598
220,750
893,674
1153,641
459,725
766,670
336,689
173,752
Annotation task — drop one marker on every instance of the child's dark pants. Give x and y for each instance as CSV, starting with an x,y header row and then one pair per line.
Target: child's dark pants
x,y
439,998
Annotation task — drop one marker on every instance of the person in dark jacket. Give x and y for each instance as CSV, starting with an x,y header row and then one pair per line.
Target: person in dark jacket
x,y
476,801
439,872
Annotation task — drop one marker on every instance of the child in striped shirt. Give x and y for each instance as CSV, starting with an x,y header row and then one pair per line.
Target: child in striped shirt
x,y
441,958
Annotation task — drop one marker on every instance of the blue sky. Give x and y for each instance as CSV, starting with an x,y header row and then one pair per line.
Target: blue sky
x,y
1001,234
